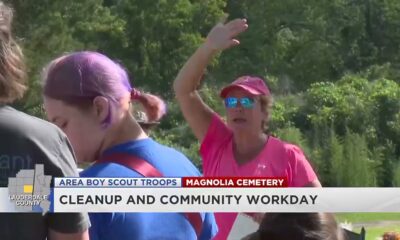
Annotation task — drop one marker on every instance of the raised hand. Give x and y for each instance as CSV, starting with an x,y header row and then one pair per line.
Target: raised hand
x,y
222,36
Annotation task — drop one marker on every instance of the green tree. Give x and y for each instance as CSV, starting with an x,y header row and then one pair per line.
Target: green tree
x,y
357,171
161,36
337,160
396,180
50,28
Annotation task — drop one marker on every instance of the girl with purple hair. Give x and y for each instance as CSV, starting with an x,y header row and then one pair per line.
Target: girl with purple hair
x,y
89,97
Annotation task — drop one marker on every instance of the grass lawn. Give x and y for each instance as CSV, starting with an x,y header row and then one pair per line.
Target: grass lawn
x,y
367,217
372,233
377,232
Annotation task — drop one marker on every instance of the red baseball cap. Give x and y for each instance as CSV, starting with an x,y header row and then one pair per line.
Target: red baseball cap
x,y
253,85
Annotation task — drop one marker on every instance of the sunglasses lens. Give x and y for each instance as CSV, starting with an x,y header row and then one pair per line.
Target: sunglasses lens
x,y
247,102
231,102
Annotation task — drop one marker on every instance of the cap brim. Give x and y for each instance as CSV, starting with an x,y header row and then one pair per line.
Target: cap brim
x,y
247,89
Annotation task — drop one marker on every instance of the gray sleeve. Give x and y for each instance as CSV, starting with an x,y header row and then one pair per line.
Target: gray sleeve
x,y
59,161
68,222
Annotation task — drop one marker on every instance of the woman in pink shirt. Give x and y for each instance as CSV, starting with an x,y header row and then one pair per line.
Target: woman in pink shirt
x,y
239,146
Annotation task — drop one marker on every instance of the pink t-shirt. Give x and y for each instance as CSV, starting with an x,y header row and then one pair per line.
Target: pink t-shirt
x,y
277,159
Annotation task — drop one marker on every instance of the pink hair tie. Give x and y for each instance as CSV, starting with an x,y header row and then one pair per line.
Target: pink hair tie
x,y
135,94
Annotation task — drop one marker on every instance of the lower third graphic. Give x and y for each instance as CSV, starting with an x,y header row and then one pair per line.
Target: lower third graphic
x,y
30,190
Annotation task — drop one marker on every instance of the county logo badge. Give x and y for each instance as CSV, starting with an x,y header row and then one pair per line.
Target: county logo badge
x,y
29,190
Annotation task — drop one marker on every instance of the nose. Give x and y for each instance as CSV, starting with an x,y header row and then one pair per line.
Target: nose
x,y
239,108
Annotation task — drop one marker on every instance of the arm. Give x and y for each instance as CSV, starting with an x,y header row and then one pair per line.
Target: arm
x,y
61,163
314,183
196,112
299,169
54,235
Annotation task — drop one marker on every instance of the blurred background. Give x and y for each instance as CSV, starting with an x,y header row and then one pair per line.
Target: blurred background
x,y
332,65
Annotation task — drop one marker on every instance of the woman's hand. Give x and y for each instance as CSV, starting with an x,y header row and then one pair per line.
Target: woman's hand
x,y
222,36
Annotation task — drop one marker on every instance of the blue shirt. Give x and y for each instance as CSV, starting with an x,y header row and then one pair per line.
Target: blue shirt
x,y
146,226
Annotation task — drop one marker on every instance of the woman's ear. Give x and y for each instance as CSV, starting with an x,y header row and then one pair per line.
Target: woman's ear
x,y
265,115
101,107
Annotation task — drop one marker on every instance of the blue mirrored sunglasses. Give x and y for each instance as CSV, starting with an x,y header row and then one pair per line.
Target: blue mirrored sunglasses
x,y
232,102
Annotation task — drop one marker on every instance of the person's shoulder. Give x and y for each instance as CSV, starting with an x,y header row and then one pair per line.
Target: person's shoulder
x,y
29,126
286,149
108,170
173,153
149,146
283,145
170,150
175,156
